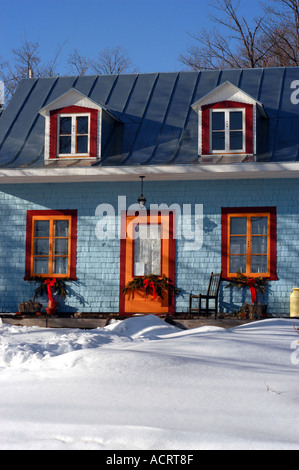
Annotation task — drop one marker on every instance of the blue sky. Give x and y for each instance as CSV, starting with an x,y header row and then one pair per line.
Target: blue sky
x,y
154,32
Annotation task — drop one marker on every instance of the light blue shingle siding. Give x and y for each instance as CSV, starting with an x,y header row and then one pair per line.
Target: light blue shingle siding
x,y
98,261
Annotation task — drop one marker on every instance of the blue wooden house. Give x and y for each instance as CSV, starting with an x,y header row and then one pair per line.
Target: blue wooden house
x,y
218,153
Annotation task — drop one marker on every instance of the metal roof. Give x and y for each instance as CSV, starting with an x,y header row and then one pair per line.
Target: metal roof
x,y
159,125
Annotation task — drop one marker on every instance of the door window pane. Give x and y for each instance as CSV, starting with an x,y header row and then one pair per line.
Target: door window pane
x,y
60,265
61,246
41,246
238,245
236,140
259,245
82,144
237,263
259,225
65,144
258,264
61,228
218,121
65,125
218,141
41,228
236,120
147,250
40,265
82,125
238,225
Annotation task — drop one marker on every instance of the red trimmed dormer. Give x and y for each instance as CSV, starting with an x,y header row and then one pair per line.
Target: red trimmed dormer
x,y
76,127
227,124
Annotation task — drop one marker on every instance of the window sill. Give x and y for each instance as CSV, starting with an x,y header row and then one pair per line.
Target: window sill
x,y
226,158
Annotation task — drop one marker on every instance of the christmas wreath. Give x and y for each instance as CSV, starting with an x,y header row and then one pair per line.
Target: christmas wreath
x,y
151,284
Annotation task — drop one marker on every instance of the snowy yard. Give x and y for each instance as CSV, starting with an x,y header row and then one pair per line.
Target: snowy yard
x,y
144,384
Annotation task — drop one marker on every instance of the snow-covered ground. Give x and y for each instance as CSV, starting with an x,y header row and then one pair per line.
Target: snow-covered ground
x,y
144,384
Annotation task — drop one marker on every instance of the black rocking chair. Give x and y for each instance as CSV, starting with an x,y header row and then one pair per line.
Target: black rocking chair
x,y
212,294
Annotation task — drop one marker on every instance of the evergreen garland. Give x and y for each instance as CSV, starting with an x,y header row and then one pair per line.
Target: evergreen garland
x,y
59,287
240,281
160,284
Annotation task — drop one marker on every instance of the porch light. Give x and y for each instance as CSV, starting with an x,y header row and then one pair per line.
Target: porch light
x,y
141,200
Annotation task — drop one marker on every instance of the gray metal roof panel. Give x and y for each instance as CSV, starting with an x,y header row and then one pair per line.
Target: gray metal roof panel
x,y
175,120
250,82
153,119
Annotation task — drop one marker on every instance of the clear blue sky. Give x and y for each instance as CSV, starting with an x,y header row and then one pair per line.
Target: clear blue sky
x,y
154,32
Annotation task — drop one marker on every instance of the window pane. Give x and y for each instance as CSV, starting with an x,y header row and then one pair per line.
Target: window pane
x,y
236,140
60,246
147,250
259,245
41,246
218,123
41,228
60,265
238,245
64,144
258,264
82,144
61,228
238,225
82,125
218,141
237,263
65,125
40,266
259,225
236,120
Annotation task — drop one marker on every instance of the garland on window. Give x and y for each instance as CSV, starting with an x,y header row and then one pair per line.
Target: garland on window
x,y
59,286
256,284
151,284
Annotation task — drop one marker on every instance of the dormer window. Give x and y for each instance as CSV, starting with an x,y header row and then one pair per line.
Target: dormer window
x,y
227,124
78,127
227,130
73,132
74,135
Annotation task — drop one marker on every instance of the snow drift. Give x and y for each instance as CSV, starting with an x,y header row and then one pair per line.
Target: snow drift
x,y
144,384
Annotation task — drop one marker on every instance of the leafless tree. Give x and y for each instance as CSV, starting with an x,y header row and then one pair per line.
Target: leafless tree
x,y
282,30
27,64
112,61
236,41
79,65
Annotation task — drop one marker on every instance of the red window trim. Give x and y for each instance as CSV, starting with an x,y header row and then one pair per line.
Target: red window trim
x,y
74,110
73,255
225,211
224,105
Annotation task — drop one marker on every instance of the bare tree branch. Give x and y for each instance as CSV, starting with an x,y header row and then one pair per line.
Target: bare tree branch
x,y
79,64
272,39
112,61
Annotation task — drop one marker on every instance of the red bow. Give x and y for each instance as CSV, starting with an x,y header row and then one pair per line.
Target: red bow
x,y
146,283
50,283
251,284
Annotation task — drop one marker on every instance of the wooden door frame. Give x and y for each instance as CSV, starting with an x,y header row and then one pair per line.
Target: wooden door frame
x,y
123,254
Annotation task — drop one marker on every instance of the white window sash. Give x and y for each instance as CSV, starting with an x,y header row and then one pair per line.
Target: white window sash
x,y
227,130
73,135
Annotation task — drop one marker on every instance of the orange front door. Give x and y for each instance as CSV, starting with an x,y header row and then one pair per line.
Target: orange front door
x,y
147,247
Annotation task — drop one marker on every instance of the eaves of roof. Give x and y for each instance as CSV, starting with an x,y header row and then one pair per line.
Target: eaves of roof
x,y
153,173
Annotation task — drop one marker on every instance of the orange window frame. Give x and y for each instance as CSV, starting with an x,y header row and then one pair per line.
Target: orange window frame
x,y
249,213
51,216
